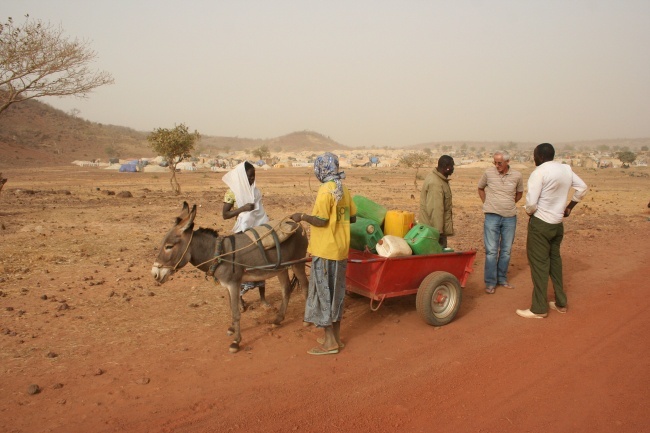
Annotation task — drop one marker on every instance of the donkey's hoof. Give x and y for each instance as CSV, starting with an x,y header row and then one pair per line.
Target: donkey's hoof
x,y
230,331
234,348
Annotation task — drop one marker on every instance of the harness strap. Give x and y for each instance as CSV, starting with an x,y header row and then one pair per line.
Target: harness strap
x,y
276,239
217,260
258,241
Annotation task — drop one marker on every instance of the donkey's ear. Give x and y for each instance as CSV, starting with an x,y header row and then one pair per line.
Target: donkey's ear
x,y
188,223
185,211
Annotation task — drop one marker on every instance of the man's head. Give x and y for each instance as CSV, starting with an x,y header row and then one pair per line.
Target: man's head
x,y
446,165
250,172
501,160
543,153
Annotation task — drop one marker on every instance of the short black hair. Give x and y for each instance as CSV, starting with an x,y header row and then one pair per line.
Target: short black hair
x,y
545,151
445,161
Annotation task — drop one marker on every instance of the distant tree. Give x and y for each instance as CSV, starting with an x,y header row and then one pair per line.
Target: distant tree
x,y
37,60
626,157
603,148
262,152
2,181
174,145
644,148
416,160
427,151
113,150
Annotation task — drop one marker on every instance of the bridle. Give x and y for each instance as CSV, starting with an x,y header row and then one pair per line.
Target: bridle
x,y
175,267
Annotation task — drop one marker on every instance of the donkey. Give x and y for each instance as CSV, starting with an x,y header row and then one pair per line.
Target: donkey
x,y
231,260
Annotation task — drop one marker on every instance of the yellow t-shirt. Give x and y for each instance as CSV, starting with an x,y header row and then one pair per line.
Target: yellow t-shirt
x,y
332,241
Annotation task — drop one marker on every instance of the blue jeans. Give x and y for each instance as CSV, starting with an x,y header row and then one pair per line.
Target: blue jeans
x,y
498,235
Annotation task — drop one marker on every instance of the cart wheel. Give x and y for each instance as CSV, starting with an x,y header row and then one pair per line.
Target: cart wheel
x,y
438,298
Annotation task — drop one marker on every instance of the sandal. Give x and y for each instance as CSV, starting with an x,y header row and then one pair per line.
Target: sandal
x,y
490,290
507,285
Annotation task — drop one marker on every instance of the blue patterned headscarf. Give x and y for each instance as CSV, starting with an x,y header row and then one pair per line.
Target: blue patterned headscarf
x,y
326,168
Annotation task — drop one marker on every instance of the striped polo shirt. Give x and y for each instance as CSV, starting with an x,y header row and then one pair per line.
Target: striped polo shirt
x,y
500,191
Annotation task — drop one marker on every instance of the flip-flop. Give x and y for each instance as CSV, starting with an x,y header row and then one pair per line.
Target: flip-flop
x,y
321,340
321,351
507,286
490,290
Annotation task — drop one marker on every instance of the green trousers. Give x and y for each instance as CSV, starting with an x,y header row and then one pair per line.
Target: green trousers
x,y
543,248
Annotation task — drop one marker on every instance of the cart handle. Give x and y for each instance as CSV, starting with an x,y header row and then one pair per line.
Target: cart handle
x,y
381,301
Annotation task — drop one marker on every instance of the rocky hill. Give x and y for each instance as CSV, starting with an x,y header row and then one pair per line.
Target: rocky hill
x,y
33,133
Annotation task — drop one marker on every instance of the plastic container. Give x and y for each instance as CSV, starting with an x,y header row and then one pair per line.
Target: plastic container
x,y
423,239
365,233
393,246
398,222
367,208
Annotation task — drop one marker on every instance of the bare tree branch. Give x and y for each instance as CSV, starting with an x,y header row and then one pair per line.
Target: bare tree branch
x,y
38,60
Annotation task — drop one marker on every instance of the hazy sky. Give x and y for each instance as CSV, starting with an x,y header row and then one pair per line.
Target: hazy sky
x,y
383,73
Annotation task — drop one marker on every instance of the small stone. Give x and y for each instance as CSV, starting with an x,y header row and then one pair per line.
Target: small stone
x,y
51,355
99,372
44,297
143,381
33,389
57,386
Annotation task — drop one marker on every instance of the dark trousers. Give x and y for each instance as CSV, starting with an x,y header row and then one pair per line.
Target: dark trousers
x,y
543,248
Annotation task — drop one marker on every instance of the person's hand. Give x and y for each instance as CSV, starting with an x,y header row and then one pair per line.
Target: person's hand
x,y
297,217
567,211
248,207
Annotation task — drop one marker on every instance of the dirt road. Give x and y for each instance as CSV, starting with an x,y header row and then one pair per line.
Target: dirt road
x,y
111,351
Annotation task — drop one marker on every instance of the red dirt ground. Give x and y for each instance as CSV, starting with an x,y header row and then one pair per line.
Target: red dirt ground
x,y
111,351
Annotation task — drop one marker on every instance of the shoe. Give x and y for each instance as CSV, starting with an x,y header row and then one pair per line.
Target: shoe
x,y
554,306
530,315
507,285
490,290
321,351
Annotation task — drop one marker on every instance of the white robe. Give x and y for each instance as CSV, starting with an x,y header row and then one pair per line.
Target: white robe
x,y
245,193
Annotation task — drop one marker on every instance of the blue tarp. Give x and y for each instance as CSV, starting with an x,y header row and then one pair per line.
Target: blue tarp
x,y
128,168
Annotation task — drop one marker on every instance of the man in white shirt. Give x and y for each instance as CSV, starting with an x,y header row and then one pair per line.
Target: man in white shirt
x,y
548,188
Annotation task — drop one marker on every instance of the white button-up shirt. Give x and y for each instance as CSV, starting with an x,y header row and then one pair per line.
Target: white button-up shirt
x,y
548,188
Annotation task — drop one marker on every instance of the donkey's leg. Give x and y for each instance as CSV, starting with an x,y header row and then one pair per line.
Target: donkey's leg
x,y
233,291
299,272
285,284
263,296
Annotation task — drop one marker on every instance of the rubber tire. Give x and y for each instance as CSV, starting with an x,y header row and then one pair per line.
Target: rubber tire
x,y
436,283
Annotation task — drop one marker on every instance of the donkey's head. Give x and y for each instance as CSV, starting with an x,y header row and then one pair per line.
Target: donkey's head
x,y
175,248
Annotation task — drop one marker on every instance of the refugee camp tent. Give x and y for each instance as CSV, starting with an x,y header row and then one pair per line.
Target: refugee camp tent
x,y
128,168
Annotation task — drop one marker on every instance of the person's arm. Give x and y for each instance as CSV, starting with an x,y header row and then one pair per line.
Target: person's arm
x,y
481,193
437,200
482,183
534,191
227,212
581,190
312,220
519,189
518,196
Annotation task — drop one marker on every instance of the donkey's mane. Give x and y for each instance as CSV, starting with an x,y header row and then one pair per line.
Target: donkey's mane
x,y
207,230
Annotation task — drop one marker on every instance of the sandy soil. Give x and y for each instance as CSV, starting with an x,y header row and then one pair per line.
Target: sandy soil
x,y
111,351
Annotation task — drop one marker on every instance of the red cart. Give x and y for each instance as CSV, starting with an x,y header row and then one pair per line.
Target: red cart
x,y
436,279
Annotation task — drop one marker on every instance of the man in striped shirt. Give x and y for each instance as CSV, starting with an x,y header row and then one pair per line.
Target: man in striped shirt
x,y
500,188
